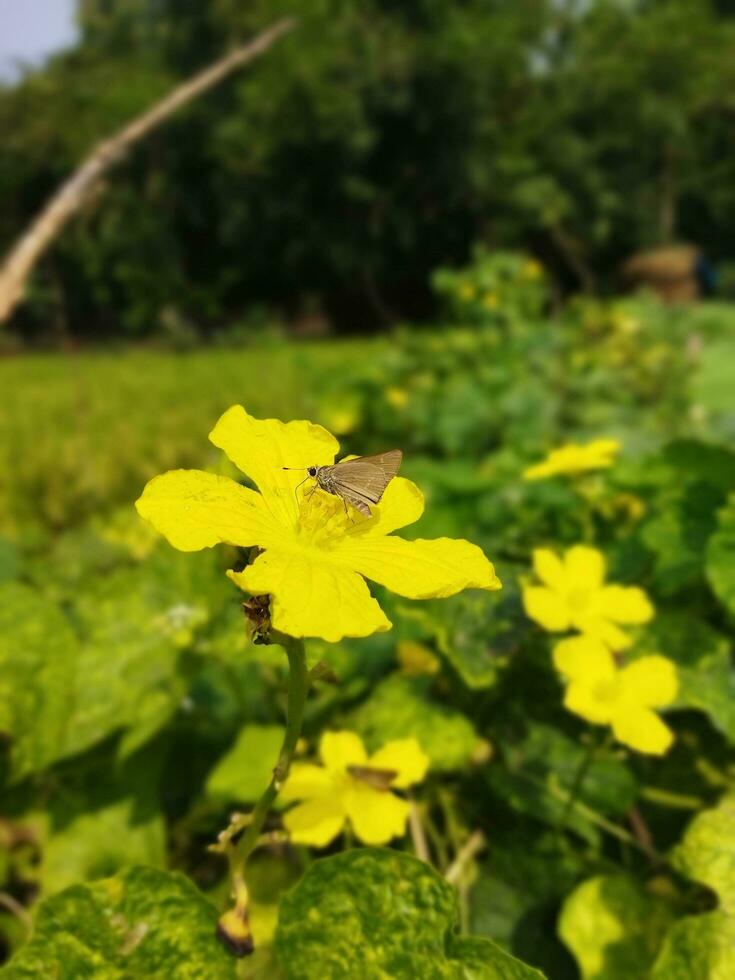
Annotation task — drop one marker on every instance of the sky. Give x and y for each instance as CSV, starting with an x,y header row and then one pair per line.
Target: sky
x,y
30,30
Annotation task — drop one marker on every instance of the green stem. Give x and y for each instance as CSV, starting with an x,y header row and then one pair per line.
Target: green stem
x,y
298,686
576,787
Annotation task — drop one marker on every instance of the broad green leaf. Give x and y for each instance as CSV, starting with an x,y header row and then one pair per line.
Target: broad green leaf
x,y
400,708
706,461
721,556
707,852
678,536
373,914
702,947
102,819
38,656
476,634
243,773
141,923
614,927
703,662
540,772
698,947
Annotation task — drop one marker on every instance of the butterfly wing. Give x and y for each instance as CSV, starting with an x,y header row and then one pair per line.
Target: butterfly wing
x,y
362,481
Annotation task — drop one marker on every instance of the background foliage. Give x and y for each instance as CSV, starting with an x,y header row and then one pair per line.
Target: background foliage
x,y
373,145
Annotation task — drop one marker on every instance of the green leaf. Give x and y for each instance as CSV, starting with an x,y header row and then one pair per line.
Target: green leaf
x,y
703,662
398,708
141,923
721,556
375,913
613,927
244,772
475,634
38,656
707,852
702,947
699,947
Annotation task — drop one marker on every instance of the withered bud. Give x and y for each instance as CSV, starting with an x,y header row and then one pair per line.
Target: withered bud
x,y
233,930
257,610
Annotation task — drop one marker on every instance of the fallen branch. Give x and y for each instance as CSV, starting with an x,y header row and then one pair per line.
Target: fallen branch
x,y
72,194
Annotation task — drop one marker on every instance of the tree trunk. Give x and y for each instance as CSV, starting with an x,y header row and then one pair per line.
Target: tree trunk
x,y
72,194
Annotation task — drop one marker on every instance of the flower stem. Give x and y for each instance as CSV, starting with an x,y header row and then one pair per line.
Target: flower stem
x,y
239,851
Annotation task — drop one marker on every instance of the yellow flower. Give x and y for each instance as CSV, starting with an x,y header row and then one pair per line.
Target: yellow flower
x,y
490,301
531,270
397,397
624,698
416,659
597,455
466,290
314,554
574,596
349,786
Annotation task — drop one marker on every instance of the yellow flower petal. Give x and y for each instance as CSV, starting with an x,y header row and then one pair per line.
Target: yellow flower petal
x,y
545,607
401,504
262,447
420,569
317,822
594,702
585,567
406,757
338,750
306,781
642,730
601,629
376,817
584,658
625,604
313,597
651,681
195,510
549,568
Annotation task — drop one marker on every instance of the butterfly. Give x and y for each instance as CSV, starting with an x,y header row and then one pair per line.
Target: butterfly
x,y
379,779
360,481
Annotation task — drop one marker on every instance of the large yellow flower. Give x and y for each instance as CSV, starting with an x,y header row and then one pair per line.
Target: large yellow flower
x,y
574,458
574,596
352,787
314,554
624,698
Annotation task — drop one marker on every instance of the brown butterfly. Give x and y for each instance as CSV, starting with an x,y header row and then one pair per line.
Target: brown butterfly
x,y
360,482
379,779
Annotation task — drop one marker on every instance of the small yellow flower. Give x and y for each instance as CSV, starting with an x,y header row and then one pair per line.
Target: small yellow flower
x,y
574,596
490,301
397,397
314,554
597,455
466,290
416,659
624,698
349,786
532,270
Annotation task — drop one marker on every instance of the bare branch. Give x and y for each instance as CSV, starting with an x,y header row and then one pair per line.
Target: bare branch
x,y
72,194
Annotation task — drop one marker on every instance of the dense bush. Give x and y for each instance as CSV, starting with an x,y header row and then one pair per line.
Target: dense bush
x,y
370,147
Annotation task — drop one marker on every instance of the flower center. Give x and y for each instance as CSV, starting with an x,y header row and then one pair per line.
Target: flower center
x,y
323,519
579,599
607,691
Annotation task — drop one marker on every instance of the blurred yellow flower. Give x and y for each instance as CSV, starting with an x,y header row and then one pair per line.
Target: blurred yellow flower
x,y
490,301
466,290
314,554
574,596
349,786
416,659
397,397
574,458
624,698
532,270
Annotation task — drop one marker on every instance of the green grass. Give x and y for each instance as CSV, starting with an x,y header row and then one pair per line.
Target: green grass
x,y
81,433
